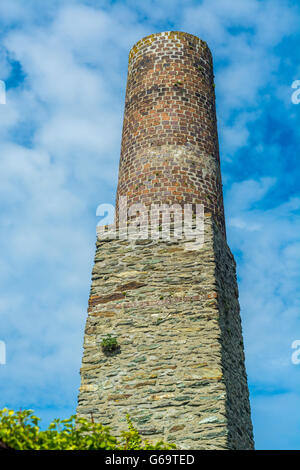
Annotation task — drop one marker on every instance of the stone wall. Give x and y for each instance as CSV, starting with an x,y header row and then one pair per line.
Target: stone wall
x,y
180,371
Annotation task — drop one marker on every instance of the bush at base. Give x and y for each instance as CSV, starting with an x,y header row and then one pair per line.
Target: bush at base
x,y
20,431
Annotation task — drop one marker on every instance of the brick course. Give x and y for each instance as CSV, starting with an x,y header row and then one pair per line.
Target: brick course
x,y
169,151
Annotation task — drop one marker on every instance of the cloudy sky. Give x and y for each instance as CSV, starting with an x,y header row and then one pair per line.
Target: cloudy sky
x,y
65,64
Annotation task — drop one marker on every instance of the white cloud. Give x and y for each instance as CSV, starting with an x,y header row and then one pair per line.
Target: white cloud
x,y
242,37
242,195
267,240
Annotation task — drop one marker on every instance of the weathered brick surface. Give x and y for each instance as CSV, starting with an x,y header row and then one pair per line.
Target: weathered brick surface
x,y
180,370
169,151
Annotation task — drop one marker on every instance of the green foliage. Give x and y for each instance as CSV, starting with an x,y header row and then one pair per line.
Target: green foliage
x,y
109,343
20,431
131,440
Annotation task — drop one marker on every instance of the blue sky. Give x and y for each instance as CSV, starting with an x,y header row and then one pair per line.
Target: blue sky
x,y
65,64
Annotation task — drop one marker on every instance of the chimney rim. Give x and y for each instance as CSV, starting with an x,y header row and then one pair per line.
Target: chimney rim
x,y
137,44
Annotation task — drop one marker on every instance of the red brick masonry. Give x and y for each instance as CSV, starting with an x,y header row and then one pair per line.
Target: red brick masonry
x,y
169,151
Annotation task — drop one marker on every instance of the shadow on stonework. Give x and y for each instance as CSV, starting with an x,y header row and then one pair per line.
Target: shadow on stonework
x,y
238,413
113,352
110,346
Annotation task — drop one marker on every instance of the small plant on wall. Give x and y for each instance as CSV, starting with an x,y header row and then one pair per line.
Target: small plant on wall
x,y
109,344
